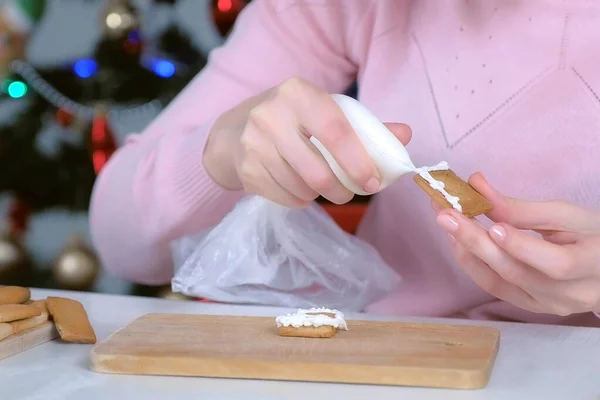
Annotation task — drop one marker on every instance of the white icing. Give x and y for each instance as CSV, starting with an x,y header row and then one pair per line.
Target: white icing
x,y
438,185
304,318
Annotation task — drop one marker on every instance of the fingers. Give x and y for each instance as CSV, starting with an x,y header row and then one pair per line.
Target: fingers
x,y
401,131
319,116
436,207
263,184
525,270
277,135
553,297
488,280
313,169
557,262
560,238
536,215
262,171
578,296
475,239
287,177
281,171
275,123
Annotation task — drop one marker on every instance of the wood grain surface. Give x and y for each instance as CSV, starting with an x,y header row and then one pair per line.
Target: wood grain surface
x,y
381,353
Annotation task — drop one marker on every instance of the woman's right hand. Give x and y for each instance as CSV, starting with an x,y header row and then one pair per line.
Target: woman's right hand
x,y
262,146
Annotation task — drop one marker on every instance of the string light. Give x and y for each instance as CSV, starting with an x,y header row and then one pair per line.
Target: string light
x,y
224,5
58,100
113,20
164,68
160,66
85,68
17,89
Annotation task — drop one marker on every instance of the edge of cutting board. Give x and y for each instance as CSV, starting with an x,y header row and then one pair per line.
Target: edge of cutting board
x,y
348,374
27,339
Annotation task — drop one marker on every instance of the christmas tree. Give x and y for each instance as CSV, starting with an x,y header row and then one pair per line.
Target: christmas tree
x,y
59,135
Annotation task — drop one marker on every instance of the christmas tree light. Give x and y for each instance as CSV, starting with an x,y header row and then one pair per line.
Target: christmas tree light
x,y
16,89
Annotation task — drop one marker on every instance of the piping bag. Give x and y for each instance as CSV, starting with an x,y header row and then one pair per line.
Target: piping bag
x,y
389,155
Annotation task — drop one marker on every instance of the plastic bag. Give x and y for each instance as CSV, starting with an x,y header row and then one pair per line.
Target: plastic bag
x,y
263,253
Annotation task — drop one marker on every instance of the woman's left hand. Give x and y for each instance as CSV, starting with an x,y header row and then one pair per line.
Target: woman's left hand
x,y
554,272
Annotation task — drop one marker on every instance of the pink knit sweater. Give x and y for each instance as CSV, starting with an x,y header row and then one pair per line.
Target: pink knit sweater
x,y
511,88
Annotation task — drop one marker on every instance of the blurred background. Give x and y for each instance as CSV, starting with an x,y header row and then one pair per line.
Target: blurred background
x,y
76,76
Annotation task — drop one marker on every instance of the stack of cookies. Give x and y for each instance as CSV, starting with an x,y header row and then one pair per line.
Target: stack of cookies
x,y
19,313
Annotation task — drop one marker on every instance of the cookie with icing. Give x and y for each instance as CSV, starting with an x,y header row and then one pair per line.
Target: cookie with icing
x,y
450,191
311,323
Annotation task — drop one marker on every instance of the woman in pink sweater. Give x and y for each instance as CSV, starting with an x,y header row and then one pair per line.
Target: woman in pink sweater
x,y
511,89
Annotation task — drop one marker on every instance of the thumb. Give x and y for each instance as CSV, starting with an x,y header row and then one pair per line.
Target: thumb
x,y
401,131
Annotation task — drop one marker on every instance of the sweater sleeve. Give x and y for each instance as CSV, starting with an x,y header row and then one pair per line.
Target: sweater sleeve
x,y
154,188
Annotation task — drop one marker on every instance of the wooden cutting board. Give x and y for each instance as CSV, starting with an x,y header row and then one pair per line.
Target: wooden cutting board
x,y
27,339
382,353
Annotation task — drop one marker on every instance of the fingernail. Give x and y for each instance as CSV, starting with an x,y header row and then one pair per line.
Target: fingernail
x,y
452,238
498,232
372,185
448,223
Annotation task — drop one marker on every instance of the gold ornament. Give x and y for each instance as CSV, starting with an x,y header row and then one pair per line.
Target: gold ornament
x,y
18,20
119,18
12,46
77,267
166,293
13,256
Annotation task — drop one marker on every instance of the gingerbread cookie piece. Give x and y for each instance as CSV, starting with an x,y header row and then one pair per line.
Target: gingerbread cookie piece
x,y
41,304
312,323
323,331
15,312
70,320
14,295
450,191
28,323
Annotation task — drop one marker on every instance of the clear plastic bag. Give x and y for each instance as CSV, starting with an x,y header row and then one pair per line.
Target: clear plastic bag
x,y
263,253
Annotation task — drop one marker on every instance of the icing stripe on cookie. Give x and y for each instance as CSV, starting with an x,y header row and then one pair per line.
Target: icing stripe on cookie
x,y
313,317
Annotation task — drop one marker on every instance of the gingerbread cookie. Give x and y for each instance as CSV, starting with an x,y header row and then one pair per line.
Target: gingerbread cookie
x,y
450,191
41,304
70,320
15,312
28,323
312,323
14,295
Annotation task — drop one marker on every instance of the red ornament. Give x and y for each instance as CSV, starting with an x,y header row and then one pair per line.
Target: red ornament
x,y
103,143
225,12
64,117
18,216
134,44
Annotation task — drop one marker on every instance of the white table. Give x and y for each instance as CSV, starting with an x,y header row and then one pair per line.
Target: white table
x,y
534,362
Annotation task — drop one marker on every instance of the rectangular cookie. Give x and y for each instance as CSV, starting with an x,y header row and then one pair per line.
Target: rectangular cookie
x,y
471,201
70,320
15,312
41,304
323,331
24,324
14,295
